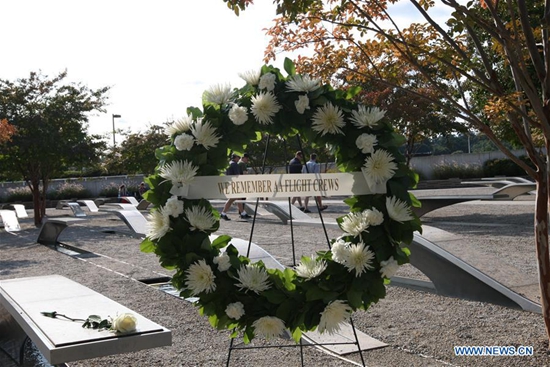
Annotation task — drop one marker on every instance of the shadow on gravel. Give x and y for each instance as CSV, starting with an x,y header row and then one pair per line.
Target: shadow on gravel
x,y
7,267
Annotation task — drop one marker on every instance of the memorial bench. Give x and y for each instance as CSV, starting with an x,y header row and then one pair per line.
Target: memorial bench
x,y
508,192
278,208
62,341
52,227
449,275
9,221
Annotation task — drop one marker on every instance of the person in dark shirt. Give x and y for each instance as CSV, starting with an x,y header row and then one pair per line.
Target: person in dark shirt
x,y
295,166
234,169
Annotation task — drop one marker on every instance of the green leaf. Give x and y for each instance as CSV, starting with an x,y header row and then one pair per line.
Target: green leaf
x,y
354,298
297,334
289,66
274,296
147,246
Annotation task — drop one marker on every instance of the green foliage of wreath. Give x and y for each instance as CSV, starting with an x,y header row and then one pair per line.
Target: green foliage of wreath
x,y
321,292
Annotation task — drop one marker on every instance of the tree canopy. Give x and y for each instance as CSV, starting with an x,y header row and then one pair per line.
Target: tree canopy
x,y
50,118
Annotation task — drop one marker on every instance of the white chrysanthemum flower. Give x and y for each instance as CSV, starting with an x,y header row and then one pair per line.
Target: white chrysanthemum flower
x,y
264,107
366,142
375,217
328,119
182,125
267,82
180,174
310,268
333,316
389,267
235,310
252,77
302,83
219,94
238,115
398,210
200,218
302,104
173,207
205,134
379,168
184,142
340,250
253,278
355,223
364,117
223,261
200,278
269,327
359,258
157,225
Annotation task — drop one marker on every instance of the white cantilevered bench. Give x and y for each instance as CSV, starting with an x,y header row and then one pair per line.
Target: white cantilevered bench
x,y
52,227
61,340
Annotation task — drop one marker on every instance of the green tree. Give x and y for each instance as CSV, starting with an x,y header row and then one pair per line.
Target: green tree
x,y
136,153
481,42
50,118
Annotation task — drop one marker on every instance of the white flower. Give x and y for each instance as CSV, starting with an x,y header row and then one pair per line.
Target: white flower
x,y
366,143
252,77
269,327
328,119
180,174
157,225
267,82
398,210
309,268
200,218
238,115
333,315
389,267
367,117
302,83
223,261
375,217
184,142
253,278
264,107
355,223
302,104
205,134
200,278
219,94
180,126
379,168
235,310
173,207
359,258
340,251
124,323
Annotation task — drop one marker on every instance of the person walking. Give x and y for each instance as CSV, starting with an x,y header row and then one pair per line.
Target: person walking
x,y
312,166
234,169
295,166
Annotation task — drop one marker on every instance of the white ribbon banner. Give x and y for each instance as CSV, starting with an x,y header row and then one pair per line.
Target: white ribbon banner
x,y
280,186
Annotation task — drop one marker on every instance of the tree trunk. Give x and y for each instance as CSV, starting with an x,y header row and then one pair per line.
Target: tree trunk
x,y
35,188
541,242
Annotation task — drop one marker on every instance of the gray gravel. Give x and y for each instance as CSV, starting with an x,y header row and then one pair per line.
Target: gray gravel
x,y
420,328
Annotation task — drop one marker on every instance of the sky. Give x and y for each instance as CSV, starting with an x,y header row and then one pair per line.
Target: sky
x,y
157,57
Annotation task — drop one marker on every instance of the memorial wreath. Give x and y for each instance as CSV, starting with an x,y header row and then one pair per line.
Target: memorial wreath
x,y
320,292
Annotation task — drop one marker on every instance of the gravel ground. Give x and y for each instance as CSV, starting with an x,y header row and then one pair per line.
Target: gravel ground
x,y
420,328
